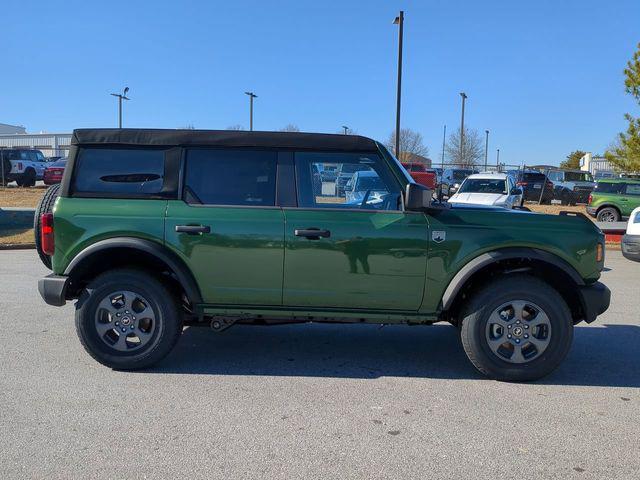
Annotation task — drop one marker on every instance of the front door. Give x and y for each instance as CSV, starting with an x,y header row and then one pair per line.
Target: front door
x,y
227,228
631,198
352,249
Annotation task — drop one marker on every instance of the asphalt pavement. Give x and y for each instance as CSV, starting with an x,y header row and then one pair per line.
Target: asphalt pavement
x,y
312,401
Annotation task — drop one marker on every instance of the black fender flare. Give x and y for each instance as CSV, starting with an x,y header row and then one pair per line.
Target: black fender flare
x,y
487,258
182,272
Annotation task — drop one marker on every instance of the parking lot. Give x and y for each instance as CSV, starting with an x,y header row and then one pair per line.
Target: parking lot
x,y
312,401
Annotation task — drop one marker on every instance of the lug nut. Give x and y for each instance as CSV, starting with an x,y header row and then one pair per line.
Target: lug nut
x,y
508,336
527,327
517,340
117,324
508,326
124,329
117,314
132,327
526,336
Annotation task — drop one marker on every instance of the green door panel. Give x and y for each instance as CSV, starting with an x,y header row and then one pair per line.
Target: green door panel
x,y
372,260
240,261
80,222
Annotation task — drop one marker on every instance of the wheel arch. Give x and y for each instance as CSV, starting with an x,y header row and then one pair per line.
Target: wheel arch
x,y
609,205
128,251
542,264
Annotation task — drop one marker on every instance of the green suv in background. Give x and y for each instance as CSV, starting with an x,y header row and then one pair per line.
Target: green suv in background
x,y
154,230
614,199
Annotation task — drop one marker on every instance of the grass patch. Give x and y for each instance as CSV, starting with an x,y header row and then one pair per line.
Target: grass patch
x,y
17,238
21,197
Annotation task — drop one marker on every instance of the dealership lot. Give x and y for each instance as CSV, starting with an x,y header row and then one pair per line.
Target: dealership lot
x,y
312,401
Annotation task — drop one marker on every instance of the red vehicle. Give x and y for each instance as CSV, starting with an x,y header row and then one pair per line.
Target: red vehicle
x,y
53,173
420,174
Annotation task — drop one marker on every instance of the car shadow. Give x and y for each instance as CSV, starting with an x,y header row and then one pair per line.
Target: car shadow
x,y
600,356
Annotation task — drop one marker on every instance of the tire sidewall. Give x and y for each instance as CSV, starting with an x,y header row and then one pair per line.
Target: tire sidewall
x,y
160,301
474,328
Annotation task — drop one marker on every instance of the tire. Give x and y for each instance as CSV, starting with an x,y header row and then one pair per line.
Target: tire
x,y
608,214
499,296
27,179
99,332
45,206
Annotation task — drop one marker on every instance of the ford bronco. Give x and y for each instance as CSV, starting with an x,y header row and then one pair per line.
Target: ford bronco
x,y
154,230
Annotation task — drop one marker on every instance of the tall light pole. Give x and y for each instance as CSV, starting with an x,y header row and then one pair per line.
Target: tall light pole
x,y
121,96
486,148
444,137
399,20
346,129
251,97
498,159
464,98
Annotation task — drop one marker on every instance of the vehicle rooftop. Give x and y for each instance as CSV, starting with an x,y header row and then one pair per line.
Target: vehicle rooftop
x,y
618,180
223,138
490,175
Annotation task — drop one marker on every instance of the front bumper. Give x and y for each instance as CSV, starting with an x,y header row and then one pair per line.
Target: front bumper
x,y
631,247
595,299
53,289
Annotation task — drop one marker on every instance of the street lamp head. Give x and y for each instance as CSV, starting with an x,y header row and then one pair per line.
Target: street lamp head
x,y
487,132
399,18
251,94
126,90
463,95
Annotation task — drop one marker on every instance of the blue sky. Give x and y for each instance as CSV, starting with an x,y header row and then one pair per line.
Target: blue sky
x,y
545,77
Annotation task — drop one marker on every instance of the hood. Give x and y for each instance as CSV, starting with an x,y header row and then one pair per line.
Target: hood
x,y
478,198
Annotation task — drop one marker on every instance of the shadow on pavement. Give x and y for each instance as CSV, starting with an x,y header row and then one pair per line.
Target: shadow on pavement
x,y
600,356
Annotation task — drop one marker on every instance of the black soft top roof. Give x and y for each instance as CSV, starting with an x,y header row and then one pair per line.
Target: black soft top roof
x,y
226,138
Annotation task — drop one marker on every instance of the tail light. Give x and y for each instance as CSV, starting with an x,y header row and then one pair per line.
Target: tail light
x,y
590,199
522,184
19,166
46,234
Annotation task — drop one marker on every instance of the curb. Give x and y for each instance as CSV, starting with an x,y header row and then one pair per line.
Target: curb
x,y
18,246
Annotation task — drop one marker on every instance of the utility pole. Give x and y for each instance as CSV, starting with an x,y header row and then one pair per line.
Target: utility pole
x,y
498,159
346,129
399,20
486,149
121,96
251,97
464,97
444,138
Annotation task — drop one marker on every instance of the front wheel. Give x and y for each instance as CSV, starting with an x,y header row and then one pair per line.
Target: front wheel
x,y
516,329
127,320
608,214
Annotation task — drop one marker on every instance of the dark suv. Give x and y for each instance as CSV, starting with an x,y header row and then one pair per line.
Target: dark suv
x,y
154,230
536,187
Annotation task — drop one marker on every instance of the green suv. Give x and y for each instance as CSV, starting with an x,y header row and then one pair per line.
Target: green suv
x,y
614,199
154,230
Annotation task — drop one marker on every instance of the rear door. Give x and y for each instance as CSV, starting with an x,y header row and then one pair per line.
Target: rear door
x,y
362,253
631,198
227,227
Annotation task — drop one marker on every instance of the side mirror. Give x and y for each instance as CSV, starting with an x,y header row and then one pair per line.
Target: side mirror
x,y
417,197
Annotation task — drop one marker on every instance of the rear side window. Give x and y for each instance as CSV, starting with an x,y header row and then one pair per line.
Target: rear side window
x,y
604,187
231,177
633,188
119,171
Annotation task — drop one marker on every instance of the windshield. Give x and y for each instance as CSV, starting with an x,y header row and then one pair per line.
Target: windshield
x,y
370,183
484,185
578,177
353,167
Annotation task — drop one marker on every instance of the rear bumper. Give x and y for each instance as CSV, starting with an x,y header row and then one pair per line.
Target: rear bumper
x,y
631,247
595,300
53,289
591,210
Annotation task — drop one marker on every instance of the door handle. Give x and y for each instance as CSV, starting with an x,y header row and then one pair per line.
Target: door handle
x,y
193,229
312,233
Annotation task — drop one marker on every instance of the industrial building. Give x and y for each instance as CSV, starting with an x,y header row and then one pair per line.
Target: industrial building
x,y
51,144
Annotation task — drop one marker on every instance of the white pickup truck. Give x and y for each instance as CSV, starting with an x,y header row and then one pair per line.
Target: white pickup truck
x,y
23,166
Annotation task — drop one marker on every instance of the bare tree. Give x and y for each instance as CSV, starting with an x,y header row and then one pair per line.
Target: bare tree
x,y
235,127
470,153
290,128
188,126
411,144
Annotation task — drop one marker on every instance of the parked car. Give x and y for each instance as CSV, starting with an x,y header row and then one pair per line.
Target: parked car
x,y
53,172
421,174
452,178
365,188
631,239
25,166
613,199
495,189
345,172
571,186
217,228
532,183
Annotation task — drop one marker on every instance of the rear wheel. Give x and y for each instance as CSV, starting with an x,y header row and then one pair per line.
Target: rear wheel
x,y
516,329
27,179
127,320
45,206
608,214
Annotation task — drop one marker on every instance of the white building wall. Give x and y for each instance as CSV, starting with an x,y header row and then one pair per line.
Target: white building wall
x,y
6,129
51,144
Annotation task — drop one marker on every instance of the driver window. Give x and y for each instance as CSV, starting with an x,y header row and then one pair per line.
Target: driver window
x,y
345,180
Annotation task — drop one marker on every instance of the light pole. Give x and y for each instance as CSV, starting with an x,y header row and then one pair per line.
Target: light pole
x,y
486,148
498,159
121,96
346,129
464,98
399,20
251,97
444,137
